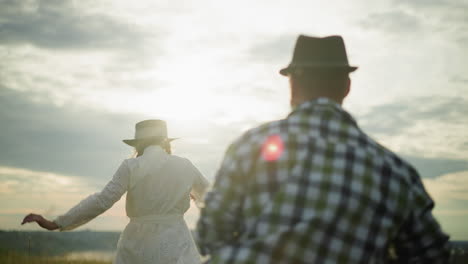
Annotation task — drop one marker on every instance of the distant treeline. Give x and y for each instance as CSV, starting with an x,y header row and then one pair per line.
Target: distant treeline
x,y
57,243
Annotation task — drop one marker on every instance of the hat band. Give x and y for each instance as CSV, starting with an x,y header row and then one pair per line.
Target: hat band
x,y
319,64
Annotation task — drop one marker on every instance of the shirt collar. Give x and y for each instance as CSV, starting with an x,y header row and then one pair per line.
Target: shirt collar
x,y
317,102
323,103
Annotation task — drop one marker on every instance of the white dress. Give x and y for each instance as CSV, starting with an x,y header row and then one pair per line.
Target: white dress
x,y
158,187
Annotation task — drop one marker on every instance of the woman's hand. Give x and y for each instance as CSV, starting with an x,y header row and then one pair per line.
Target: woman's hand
x,y
41,221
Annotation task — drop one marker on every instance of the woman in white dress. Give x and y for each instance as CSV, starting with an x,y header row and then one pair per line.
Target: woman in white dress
x,y
159,186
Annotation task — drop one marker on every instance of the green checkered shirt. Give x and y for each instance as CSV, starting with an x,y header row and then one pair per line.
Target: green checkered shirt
x,y
314,188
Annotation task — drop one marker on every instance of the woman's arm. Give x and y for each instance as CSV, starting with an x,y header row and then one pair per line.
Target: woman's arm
x,y
97,203
41,221
200,184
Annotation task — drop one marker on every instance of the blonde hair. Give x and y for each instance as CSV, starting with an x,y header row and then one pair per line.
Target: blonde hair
x,y
140,147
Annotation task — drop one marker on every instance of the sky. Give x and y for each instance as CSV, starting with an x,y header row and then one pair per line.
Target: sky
x,y
75,76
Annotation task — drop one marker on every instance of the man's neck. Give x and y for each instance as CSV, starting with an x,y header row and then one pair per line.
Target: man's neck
x,y
299,101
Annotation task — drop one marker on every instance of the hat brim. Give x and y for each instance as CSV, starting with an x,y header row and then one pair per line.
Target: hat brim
x,y
134,142
288,70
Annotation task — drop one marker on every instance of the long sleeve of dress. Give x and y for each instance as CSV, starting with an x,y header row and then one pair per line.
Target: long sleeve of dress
x,y
200,184
97,203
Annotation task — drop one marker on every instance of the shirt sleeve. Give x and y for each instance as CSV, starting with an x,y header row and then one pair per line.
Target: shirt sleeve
x,y
97,203
219,222
420,239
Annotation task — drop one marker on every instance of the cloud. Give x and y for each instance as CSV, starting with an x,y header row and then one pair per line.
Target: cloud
x,y
77,51
457,79
395,21
276,50
450,193
395,116
421,126
17,180
428,19
28,190
68,140
435,167
440,5
449,188
52,24
49,194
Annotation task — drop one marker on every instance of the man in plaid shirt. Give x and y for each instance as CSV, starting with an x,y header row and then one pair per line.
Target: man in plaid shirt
x,y
313,187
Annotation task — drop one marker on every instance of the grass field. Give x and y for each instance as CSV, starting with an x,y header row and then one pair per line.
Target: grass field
x,y
15,258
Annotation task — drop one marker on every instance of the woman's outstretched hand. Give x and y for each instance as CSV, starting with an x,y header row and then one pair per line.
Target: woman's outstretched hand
x,y
41,221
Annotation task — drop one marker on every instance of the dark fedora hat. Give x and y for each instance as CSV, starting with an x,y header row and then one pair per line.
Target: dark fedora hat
x,y
149,130
319,53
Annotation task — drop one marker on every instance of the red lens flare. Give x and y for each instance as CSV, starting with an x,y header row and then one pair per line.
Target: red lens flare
x,y
272,148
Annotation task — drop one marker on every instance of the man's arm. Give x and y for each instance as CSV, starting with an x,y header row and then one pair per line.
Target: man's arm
x,y
219,222
421,239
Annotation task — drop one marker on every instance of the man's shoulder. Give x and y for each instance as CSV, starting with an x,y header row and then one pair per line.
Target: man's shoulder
x,y
260,132
396,162
253,138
